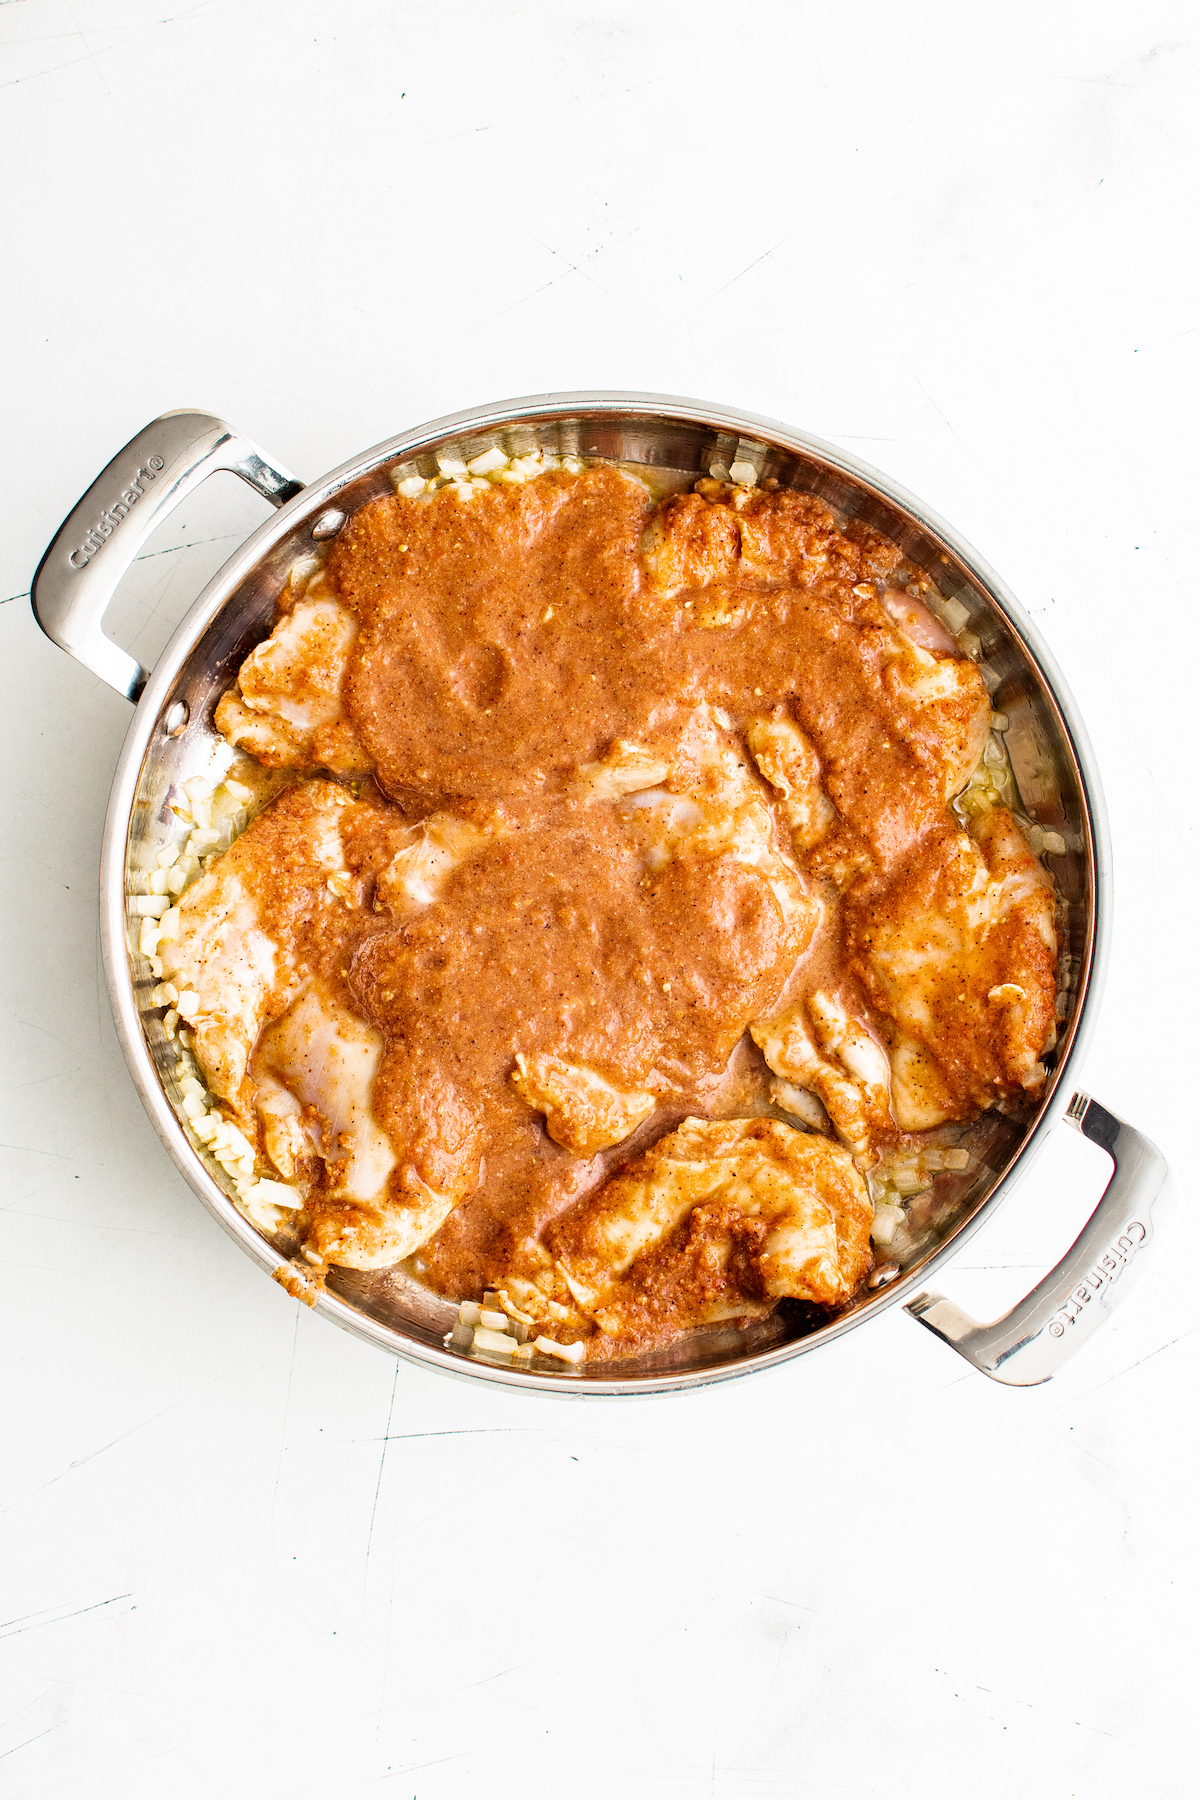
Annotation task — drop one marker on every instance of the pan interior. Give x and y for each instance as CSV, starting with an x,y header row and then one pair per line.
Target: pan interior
x,y
237,611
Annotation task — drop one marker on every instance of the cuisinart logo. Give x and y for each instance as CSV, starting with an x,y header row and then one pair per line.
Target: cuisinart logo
x,y
111,517
1106,1269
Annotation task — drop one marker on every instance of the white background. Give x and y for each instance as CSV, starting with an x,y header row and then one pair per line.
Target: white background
x,y
244,1554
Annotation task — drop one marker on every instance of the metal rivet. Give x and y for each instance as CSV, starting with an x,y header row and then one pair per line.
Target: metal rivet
x,y
176,721
328,525
880,1277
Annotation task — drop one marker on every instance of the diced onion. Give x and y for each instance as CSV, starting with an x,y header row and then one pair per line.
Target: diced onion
x,y
275,1193
303,569
571,1353
494,1340
487,462
887,1221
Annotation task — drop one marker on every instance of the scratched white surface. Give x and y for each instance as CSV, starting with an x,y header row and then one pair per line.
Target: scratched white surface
x,y
246,1555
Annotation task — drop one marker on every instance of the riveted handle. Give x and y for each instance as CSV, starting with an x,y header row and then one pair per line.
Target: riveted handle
x,y
79,573
1032,1342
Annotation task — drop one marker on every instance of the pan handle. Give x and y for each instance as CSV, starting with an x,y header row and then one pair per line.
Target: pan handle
x,y
79,573
1032,1342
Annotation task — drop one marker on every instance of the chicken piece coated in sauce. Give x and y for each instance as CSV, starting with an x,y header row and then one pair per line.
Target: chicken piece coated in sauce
x,y
256,926
264,940
788,761
585,1113
849,1074
719,536
718,1220
958,950
288,708
934,686
506,637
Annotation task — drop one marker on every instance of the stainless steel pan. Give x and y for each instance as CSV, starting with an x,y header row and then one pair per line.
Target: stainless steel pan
x,y
170,738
